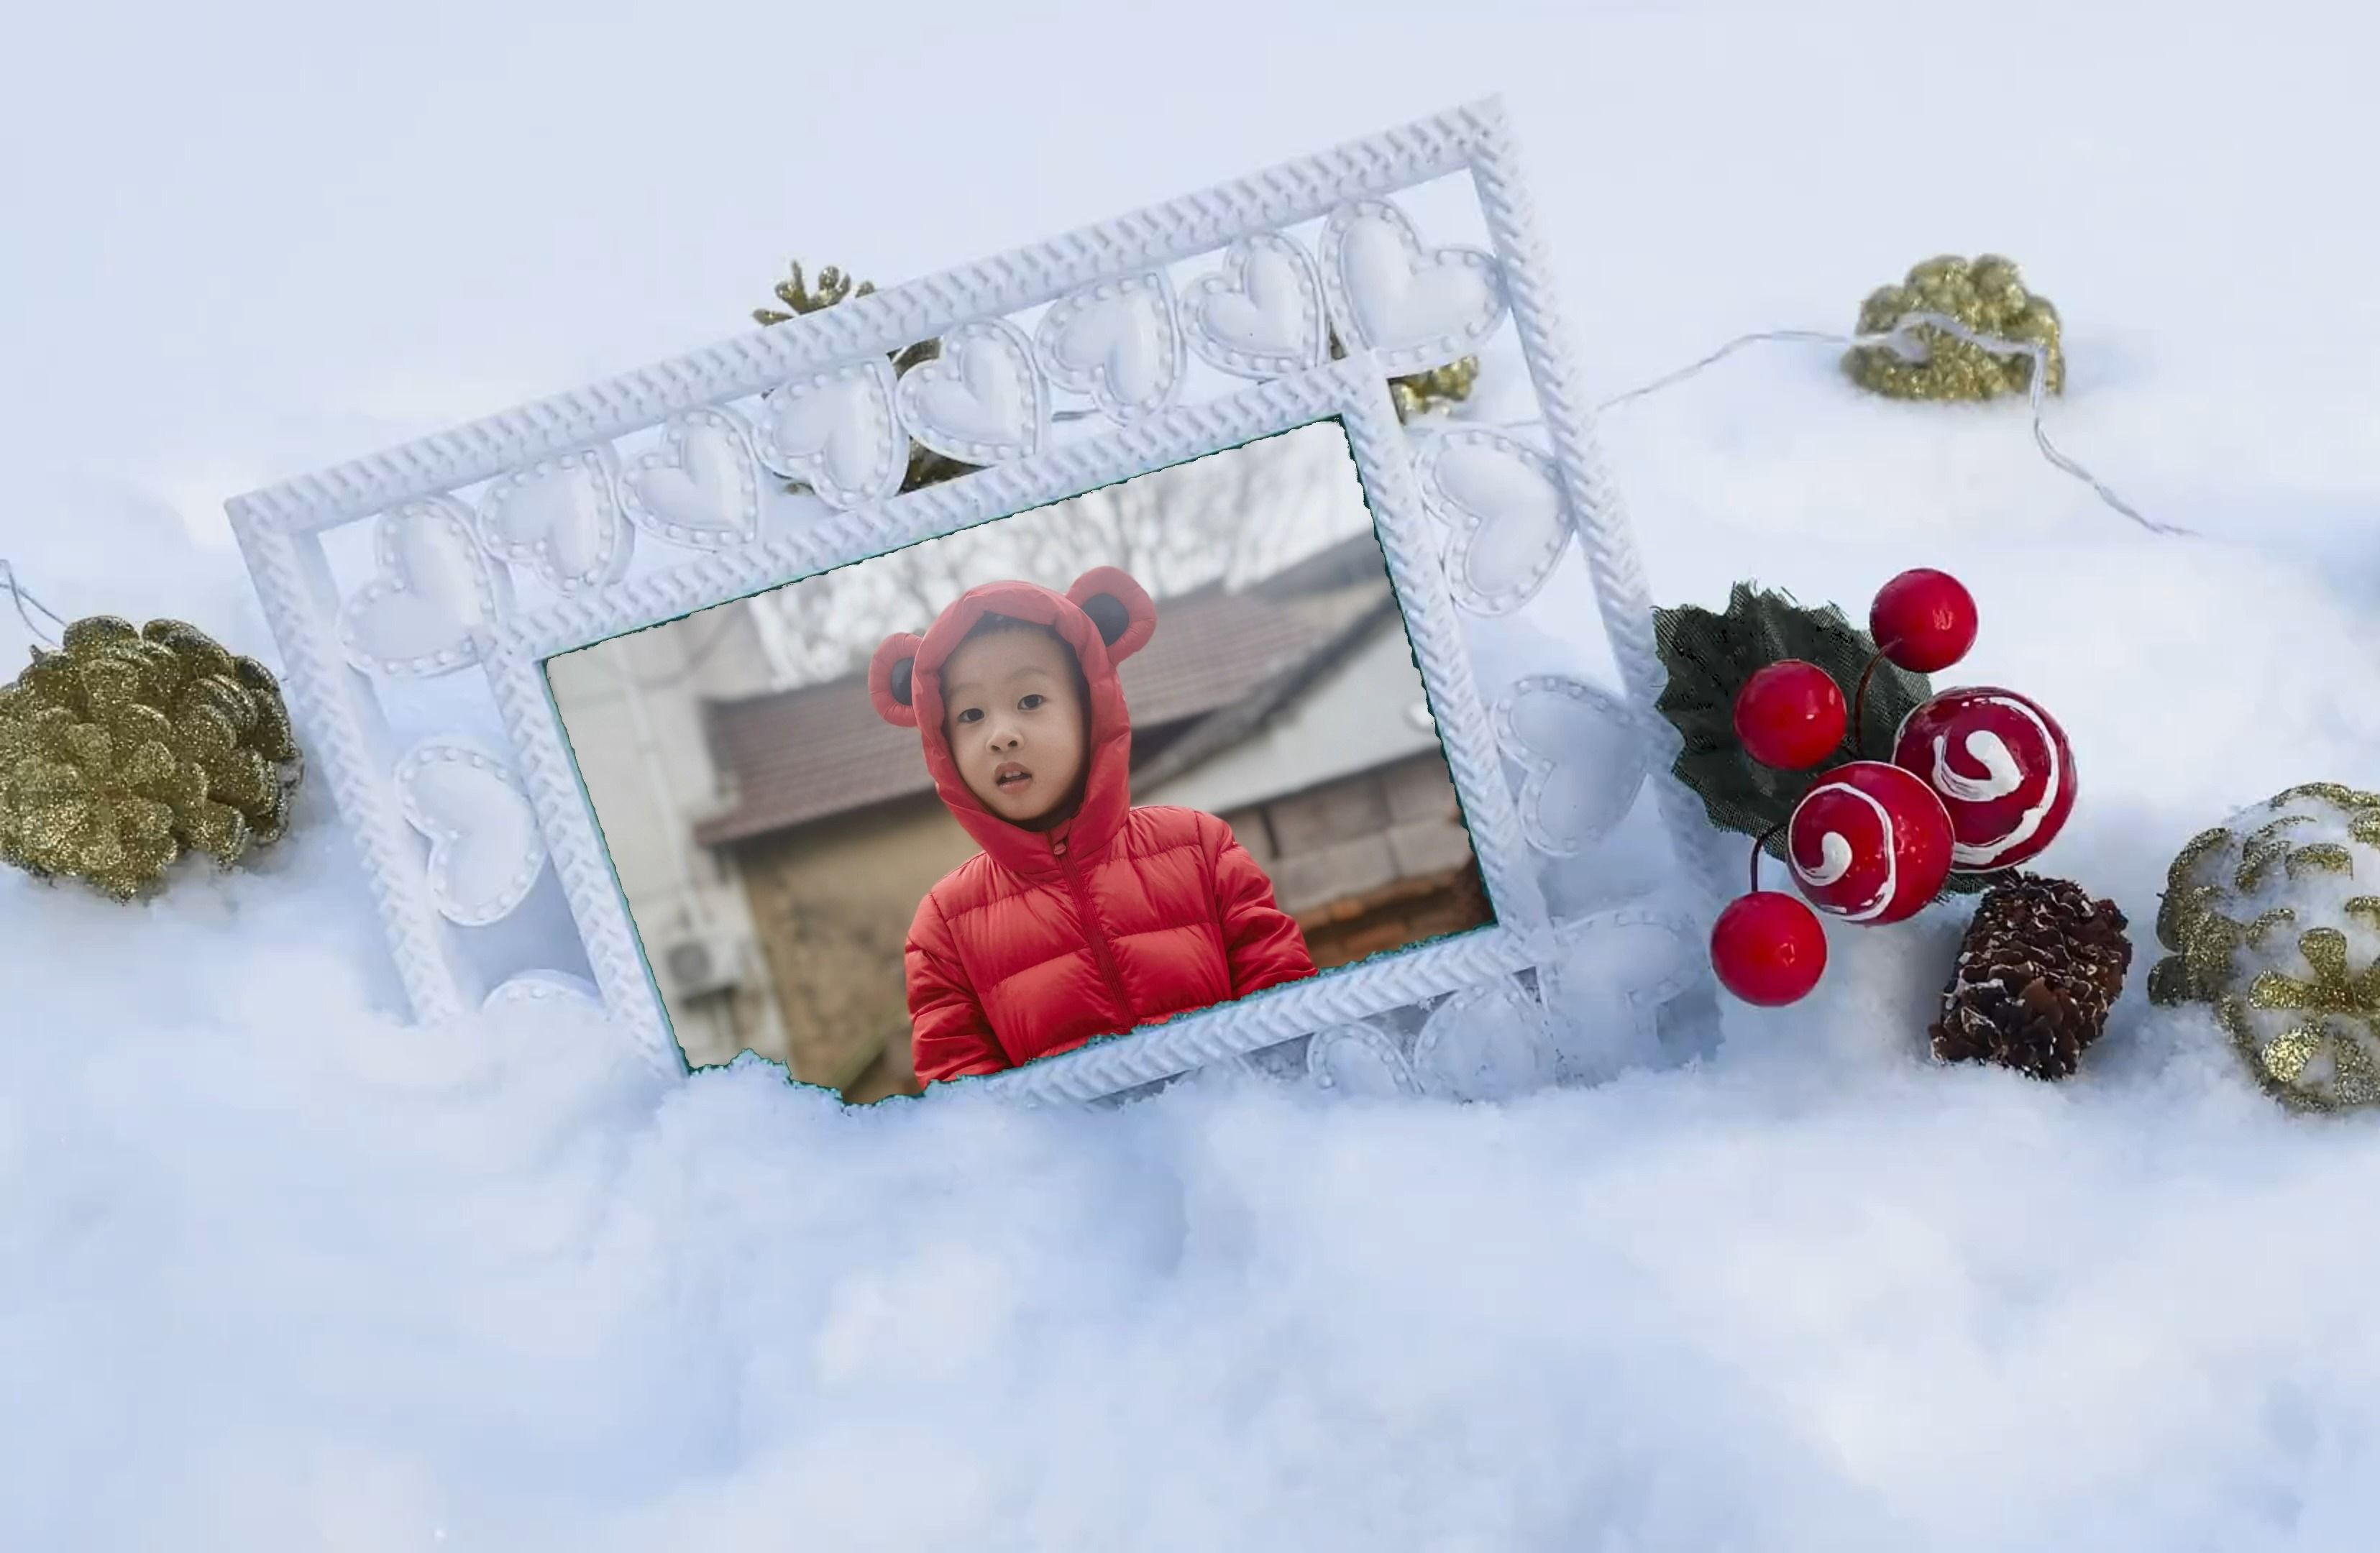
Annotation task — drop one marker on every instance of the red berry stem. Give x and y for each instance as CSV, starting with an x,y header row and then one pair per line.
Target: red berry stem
x,y
1762,845
1859,703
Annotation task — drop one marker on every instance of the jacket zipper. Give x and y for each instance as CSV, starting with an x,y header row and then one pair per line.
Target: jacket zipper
x,y
1097,930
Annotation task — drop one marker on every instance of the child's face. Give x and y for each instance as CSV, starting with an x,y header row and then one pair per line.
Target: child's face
x,y
1014,721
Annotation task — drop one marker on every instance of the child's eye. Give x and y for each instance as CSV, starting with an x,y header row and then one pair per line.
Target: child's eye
x,y
972,714
1030,702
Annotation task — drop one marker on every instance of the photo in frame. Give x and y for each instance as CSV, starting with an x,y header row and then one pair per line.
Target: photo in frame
x,y
540,657
1274,802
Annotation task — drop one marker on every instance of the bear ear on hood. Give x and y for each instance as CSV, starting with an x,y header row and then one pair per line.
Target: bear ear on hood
x,y
889,676
1119,607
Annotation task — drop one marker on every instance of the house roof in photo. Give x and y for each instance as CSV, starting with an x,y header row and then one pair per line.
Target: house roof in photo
x,y
792,757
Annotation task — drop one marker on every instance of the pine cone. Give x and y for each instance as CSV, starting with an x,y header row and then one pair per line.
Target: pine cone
x,y
2041,966
129,747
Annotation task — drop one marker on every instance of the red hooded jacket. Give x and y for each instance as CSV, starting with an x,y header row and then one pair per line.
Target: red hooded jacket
x,y
1115,919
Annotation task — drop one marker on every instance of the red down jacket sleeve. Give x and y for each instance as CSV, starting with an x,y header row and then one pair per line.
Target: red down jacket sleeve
x,y
949,1037
1260,940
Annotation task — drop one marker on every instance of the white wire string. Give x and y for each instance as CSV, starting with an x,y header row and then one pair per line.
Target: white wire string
x,y
1804,337
22,599
1903,341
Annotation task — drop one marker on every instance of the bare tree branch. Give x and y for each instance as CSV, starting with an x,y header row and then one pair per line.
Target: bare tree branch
x,y
1230,518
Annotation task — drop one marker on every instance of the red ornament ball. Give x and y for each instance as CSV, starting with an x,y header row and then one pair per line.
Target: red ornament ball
x,y
2001,767
1870,842
1791,715
1768,949
1922,620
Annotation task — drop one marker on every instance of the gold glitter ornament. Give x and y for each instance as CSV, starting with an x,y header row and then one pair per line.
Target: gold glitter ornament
x,y
2274,919
1425,393
1987,295
129,747
1420,393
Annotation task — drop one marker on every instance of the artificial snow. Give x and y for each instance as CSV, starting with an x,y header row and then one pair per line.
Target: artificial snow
x,y
278,1272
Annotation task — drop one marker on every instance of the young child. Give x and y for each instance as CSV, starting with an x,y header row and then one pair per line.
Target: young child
x,y
1082,916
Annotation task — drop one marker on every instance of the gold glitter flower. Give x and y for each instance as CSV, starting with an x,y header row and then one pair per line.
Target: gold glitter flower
x,y
129,747
1987,295
2272,919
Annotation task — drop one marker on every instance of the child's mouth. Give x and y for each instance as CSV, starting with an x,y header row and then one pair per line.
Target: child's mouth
x,y
1010,777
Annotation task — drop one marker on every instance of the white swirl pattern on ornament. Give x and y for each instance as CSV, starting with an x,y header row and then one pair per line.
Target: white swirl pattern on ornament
x,y
1834,860
2006,776
1835,855
2001,776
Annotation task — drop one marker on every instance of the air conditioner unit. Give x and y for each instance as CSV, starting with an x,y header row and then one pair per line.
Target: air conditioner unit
x,y
701,965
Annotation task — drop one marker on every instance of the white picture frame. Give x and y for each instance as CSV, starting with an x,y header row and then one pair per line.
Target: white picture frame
x,y
419,685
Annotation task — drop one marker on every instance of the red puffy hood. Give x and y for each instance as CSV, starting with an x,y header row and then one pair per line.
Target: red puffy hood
x,y
1104,618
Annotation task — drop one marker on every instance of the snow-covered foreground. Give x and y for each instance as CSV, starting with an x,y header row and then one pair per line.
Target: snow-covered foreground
x,y
278,1273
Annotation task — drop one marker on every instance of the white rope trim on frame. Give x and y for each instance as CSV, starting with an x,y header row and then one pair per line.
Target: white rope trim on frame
x,y
1903,340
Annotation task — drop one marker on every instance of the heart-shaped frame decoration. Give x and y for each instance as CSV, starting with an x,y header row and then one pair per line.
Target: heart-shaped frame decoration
x,y
1484,1043
486,850
836,432
1262,316
435,599
1502,502
981,401
1119,342
546,991
1358,1060
1583,757
1604,990
1414,308
560,517
701,487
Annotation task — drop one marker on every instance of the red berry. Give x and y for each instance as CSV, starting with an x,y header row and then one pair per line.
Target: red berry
x,y
1791,715
2001,767
1870,842
1924,620
1768,949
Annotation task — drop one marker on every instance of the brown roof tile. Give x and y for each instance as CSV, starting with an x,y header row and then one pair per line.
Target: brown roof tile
x,y
799,756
